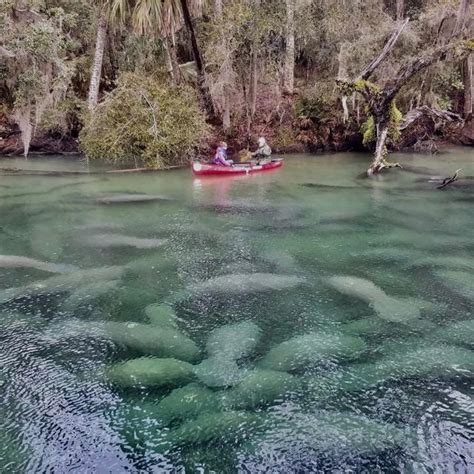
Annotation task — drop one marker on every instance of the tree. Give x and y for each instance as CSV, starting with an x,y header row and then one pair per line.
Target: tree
x,y
165,17
289,63
381,99
36,71
96,72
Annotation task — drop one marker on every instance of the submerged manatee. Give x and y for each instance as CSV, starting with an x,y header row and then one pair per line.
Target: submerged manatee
x,y
217,373
87,293
186,403
161,315
233,341
125,198
461,333
259,388
15,261
242,283
295,435
118,240
461,282
62,283
301,352
143,338
387,307
150,372
225,428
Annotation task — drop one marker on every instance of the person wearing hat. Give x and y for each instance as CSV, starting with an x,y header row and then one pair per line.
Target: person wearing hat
x,y
220,158
263,151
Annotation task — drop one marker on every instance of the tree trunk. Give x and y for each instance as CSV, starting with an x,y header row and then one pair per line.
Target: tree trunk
x,y
169,44
201,79
468,87
218,7
289,66
342,75
377,164
400,9
225,74
461,17
98,60
253,82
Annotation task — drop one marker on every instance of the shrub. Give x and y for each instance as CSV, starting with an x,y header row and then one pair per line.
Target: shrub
x,y
146,120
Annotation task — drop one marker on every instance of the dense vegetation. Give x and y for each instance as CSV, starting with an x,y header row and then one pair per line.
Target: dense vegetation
x,y
247,67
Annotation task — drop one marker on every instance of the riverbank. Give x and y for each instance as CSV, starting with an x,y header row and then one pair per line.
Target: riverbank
x,y
286,134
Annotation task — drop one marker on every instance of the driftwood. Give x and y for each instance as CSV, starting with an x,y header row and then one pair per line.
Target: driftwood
x,y
448,181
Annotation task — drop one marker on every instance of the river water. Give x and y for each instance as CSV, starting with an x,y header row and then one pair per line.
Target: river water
x,y
303,320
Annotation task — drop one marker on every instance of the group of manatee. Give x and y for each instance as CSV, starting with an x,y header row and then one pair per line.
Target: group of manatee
x,y
222,392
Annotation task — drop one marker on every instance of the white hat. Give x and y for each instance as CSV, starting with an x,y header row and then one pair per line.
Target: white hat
x,y
261,141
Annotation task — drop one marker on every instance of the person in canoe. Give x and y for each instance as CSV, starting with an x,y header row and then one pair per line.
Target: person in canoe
x,y
220,158
263,152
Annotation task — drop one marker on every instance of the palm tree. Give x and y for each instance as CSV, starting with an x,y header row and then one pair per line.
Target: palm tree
x,y
101,36
165,17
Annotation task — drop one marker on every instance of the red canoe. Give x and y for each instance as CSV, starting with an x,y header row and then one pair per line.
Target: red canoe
x,y
204,169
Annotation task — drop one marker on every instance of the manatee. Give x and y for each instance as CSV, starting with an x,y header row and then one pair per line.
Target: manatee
x,y
233,341
437,360
187,402
143,338
14,261
367,327
153,340
62,283
387,307
259,388
161,315
150,372
125,198
86,294
243,283
118,240
225,428
461,333
216,372
301,352
461,282
399,363
322,433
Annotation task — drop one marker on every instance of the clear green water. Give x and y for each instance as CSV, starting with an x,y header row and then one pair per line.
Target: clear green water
x,y
324,321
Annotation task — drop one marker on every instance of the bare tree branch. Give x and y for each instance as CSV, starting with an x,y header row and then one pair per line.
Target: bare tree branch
x,y
4,52
405,73
367,72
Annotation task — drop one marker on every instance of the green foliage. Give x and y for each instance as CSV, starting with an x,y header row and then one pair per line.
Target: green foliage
x,y
394,123
317,103
368,131
145,119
